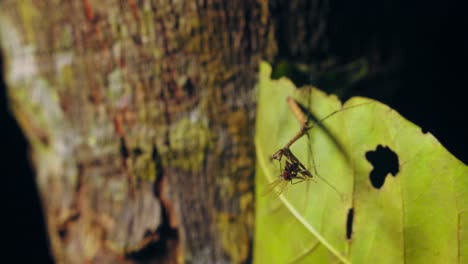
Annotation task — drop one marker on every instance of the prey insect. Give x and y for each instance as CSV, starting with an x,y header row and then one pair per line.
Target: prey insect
x,y
294,171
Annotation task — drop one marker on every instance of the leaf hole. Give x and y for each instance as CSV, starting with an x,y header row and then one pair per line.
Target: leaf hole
x,y
385,161
349,223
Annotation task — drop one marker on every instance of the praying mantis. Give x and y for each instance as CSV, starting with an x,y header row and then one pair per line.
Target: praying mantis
x,y
294,170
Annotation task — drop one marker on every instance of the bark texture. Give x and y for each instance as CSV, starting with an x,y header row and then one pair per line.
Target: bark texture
x,y
139,117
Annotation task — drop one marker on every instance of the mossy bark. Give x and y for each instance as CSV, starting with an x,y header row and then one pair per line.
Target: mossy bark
x,y
139,116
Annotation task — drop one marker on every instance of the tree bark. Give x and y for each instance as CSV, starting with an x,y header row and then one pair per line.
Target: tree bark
x,y
139,117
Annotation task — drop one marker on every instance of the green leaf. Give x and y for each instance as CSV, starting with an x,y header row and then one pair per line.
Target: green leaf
x,y
420,215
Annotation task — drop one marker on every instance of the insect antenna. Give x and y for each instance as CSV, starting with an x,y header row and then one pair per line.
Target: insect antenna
x,y
331,185
310,116
308,128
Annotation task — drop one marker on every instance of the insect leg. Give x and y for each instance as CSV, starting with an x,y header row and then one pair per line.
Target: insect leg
x,y
292,183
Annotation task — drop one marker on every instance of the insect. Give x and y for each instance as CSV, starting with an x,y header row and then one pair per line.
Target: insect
x,y
294,171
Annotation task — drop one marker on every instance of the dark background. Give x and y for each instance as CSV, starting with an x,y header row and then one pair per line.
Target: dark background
x,y
431,84
24,233
417,52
